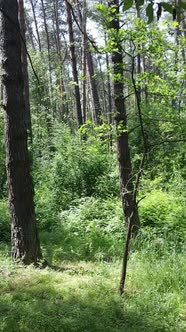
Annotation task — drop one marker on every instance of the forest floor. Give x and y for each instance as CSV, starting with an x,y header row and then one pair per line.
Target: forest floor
x,y
82,296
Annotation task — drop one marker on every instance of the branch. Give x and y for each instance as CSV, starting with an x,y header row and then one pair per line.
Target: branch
x,y
169,141
93,43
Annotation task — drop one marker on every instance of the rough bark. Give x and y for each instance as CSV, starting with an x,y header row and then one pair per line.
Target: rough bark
x,y
25,243
25,69
124,158
74,63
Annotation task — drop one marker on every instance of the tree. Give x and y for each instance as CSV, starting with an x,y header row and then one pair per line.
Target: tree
x,y
74,63
25,242
25,68
125,166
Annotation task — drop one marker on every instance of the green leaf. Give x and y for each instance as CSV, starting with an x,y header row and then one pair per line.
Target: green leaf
x,y
139,3
150,13
182,5
127,4
167,7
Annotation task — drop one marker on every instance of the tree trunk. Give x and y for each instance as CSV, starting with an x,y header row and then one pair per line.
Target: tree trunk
x,y
93,83
74,63
30,33
64,104
125,166
83,23
25,69
36,25
128,194
90,66
25,242
48,51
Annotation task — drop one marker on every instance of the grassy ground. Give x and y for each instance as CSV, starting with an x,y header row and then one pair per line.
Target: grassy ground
x,y
82,296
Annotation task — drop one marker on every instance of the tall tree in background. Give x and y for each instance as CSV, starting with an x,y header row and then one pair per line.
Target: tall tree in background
x,y
90,67
74,63
25,243
36,24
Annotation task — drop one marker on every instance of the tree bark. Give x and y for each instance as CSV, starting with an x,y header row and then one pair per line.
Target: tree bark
x,y
124,158
25,69
83,23
91,72
64,104
74,63
48,50
128,195
25,242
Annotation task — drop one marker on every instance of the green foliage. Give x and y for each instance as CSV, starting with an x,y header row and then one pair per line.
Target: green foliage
x,y
92,230
77,168
170,8
150,13
127,4
4,222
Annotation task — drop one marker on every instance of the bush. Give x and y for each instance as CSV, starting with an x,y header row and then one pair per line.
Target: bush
x,y
75,169
4,222
92,230
167,215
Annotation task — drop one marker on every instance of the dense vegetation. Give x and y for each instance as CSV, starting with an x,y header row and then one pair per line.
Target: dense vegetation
x,y
76,177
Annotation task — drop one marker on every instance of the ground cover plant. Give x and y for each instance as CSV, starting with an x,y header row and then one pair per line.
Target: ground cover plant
x,y
82,296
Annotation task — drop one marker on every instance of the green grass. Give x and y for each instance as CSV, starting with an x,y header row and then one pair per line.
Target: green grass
x,y
82,296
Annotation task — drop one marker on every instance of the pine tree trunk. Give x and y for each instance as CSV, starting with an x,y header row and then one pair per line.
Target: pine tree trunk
x,y
74,63
64,104
90,66
36,25
83,23
25,69
48,50
25,242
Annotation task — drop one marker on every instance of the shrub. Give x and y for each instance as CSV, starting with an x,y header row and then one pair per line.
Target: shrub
x,y
92,230
4,222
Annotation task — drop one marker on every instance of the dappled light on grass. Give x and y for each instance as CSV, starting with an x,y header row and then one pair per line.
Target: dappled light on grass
x,y
83,297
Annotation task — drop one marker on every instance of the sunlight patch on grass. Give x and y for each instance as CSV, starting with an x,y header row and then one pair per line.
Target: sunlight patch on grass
x,y
82,297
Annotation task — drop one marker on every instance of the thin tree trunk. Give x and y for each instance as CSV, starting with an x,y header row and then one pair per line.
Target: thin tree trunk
x,y
36,25
30,33
83,23
25,69
124,159
93,83
109,99
64,105
90,66
74,63
25,242
48,50
125,166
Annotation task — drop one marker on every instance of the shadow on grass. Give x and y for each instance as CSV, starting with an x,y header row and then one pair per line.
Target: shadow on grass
x,y
38,306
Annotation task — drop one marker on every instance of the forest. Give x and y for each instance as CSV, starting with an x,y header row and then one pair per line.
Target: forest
x,y
93,166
